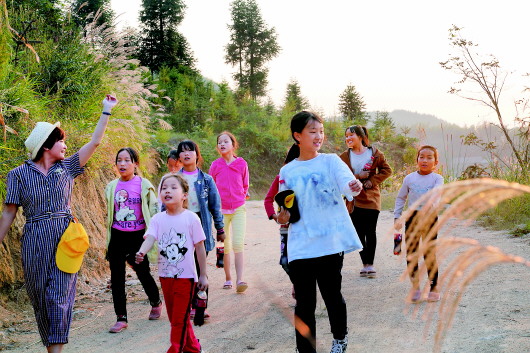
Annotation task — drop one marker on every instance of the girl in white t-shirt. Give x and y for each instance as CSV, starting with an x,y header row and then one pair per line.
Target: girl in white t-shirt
x,y
179,235
323,234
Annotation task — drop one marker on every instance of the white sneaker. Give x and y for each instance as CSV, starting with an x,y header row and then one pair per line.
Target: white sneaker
x,y
339,346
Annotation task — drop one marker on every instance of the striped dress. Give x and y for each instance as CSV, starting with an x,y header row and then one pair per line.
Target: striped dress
x,y
45,201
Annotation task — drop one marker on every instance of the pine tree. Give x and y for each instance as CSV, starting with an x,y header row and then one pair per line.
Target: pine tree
x,y
294,101
351,106
252,45
161,43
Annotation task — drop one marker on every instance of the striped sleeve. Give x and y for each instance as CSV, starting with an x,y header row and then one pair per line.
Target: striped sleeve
x,y
14,188
73,166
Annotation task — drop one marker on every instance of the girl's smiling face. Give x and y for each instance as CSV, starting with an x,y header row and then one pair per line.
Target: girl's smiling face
x,y
352,139
172,193
427,161
225,144
311,137
125,165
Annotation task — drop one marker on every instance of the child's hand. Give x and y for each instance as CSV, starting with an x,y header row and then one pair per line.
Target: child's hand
x,y
221,234
398,224
202,284
109,102
355,186
139,257
363,174
367,184
283,216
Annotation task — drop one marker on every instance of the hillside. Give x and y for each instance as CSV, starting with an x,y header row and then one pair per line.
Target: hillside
x,y
447,137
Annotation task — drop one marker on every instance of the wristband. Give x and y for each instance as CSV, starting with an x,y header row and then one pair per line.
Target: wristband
x,y
106,113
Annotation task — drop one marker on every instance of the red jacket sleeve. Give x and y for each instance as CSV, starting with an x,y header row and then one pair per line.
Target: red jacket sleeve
x,y
269,198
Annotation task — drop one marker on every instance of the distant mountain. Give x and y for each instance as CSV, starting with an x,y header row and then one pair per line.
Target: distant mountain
x,y
409,119
447,138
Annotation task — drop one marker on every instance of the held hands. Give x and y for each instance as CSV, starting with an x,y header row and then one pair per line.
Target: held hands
x,y
355,186
109,102
202,284
139,257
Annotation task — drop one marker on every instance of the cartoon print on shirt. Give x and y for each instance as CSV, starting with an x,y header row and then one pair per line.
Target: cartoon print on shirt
x,y
173,249
124,213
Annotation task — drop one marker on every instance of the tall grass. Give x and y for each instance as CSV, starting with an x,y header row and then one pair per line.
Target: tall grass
x,y
457,204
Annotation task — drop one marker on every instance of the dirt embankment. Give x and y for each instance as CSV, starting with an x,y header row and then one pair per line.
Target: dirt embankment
x,y
493,316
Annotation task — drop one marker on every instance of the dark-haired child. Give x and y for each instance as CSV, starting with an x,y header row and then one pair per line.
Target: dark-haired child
x,y
131,202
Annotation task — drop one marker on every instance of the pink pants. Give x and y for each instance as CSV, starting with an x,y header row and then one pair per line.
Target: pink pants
x,y
178,293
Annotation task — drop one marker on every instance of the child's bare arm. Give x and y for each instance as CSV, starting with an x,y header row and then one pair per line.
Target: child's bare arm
x,y
200,252
144,249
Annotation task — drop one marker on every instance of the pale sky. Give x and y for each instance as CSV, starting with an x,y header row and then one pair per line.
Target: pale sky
x,y
389,50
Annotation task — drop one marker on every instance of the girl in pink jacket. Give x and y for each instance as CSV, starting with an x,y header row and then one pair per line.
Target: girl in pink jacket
x,y
230,174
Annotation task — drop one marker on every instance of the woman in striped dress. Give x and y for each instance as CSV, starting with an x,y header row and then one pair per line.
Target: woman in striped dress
x,y
42,186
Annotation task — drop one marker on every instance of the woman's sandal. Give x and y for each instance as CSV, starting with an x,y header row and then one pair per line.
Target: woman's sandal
x,y
241,287
227,285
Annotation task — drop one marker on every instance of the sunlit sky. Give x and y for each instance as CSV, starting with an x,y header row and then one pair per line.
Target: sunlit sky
x,y
389,50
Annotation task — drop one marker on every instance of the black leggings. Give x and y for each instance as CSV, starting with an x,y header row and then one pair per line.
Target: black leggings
x,y
365,222
123,247
429,257
305,275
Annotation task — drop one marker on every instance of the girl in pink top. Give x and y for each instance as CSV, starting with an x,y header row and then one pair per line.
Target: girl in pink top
x,y
230,174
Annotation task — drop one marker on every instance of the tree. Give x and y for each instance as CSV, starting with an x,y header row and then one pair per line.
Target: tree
x,y
351,106
161,43
383,126
252,45
294,101
489,78
85,10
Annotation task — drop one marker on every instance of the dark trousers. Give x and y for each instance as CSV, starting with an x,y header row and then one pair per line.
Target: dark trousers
x,y
123,247
305,275
413,257
365,222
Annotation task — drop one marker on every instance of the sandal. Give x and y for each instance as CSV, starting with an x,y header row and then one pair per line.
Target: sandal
x,y
227,285
434,297
241,287
415,296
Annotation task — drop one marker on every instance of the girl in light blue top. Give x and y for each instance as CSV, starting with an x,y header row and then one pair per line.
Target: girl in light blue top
x,y
318,241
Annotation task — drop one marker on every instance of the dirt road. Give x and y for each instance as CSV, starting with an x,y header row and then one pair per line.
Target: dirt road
x,y
493,316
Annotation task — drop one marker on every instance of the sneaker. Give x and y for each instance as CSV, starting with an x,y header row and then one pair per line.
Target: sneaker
x,y
434,297
339,346
155,313
370,272
362,273
118,327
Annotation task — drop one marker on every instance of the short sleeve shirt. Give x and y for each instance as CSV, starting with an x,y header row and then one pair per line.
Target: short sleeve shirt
x,y
128,216
176,236
37,193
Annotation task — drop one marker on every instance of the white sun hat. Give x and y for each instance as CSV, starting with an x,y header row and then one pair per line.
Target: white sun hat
x,y
38,136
